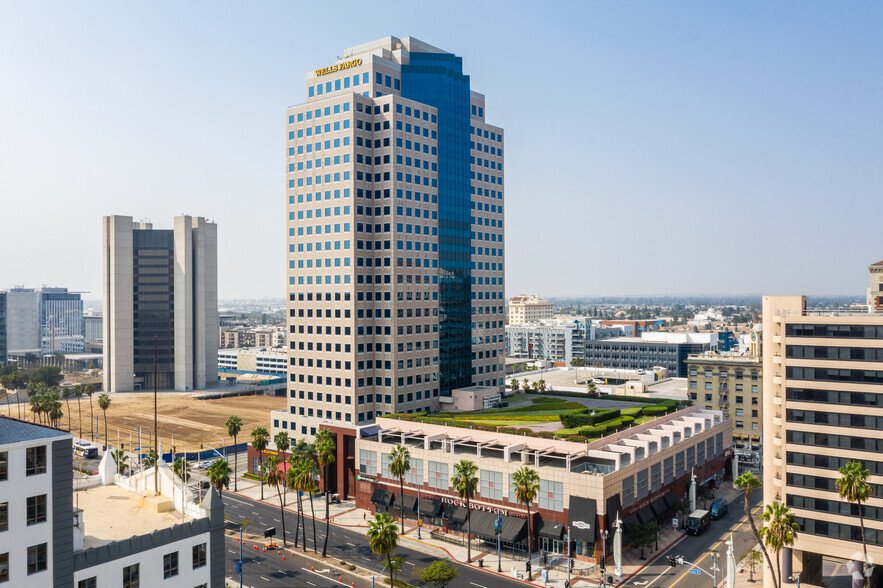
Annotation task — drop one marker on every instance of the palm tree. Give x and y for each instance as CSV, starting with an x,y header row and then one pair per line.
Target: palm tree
x,y
292,480
282,443
779,532
325,455
88,390
149,460
399,465
259,440
275,477
181,467
78,392
525,385
234,425
66,394
104,404
853,487
465,483
219,474
748,482
591,388
53,407
309,466
11,380
383,539
526,483
120,457
541,385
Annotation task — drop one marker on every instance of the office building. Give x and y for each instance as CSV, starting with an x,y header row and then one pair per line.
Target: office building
x,y
44,321
732,383
638,474
108,539
23,321
553,340
529,309
651,349
3,343
822,407
395,220
254,359
160,298
94,327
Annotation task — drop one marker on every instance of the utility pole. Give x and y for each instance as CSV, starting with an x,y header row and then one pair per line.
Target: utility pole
x,y
155,425
499,552
419,515
570,559
715,558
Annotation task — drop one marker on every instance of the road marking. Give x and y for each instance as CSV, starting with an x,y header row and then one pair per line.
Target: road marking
x,y
656,578
265,579
310,583
366,559
351,544
408,563
277,520
479,585
230,550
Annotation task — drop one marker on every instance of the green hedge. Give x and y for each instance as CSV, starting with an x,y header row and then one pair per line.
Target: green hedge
x,y
632,411
249,476
581,419
654,410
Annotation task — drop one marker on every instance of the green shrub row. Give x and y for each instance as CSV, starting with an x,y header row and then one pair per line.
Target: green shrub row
x,y
632,411
584,418
655,410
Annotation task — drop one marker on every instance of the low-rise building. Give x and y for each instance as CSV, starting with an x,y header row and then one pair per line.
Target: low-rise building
x,y
651,349
732,383
553,340
254,359
529,309
637,474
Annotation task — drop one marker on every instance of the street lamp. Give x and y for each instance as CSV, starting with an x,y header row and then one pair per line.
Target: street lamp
x,y
221,445
603,556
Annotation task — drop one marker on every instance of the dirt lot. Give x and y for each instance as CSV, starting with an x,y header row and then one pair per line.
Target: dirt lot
x,y
192,421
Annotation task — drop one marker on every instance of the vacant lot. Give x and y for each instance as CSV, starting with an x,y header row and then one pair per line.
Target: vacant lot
x,y
193,422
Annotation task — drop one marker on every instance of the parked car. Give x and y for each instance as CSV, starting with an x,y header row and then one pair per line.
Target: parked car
x,y
719,509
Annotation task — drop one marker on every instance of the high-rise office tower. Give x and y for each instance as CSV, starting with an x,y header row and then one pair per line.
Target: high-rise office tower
x,y
44,321
3,347
395,224
823,408
160,297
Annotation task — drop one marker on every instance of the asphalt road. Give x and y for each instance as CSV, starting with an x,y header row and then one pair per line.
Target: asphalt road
x,y
265,570
698,550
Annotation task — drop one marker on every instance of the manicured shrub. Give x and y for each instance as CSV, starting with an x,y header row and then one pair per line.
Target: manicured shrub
x,y
654,410
585,418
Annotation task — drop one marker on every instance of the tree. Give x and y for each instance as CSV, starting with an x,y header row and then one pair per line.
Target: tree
x,y
66,394
526,484
88,390
439,573
465,483
48,375
395,565
11,379
219,474
591,388
525,385
260,438
541,385
78,392
310,487
748,482
753,559
53,407
276,477
383,538
181,467
683,508
121,459
779,532
58,356
706,494
644,534
234,425
399,465
282,443
326,454
854,488
104,404
577,362
149,459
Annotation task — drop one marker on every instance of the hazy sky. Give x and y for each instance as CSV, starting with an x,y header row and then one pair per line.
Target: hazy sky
x,y
651,147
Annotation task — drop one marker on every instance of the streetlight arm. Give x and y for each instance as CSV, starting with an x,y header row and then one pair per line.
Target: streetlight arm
x,y
694,565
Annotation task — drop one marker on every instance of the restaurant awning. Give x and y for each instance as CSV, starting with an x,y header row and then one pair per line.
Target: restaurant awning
x,y
645,515
457,514
483,524
429,507
658,507
381,496
514,529
671,500
550,529
582,519
408,503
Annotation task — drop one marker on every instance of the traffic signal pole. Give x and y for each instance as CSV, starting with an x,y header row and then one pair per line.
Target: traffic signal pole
x,y
676,560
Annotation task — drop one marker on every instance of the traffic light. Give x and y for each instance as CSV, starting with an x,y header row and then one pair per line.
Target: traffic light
x,y
672,561
601,561
572,562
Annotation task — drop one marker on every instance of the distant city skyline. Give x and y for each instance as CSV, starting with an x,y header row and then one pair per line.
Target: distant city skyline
x,y
677,149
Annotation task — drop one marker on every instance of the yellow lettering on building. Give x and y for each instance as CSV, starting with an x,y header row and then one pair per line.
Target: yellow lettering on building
x,y
338,67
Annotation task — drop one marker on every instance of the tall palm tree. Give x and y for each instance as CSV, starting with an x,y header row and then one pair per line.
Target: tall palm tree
x,y
104,404
853,487
383,539
465,483
310,487
399,465
275,477
66,394
53,408
234,425
779,532
219,475
292,480
260,438
526,483
748,482
88,390
283,443
120,457
78,392
325,455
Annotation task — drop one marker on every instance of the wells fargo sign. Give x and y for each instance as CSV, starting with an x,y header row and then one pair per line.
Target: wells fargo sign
x,y
339,66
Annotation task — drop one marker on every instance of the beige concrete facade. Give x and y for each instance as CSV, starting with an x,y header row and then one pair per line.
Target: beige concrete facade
x,y
733,384
529,309
823,407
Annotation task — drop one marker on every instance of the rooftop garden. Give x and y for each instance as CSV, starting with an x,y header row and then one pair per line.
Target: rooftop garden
x,y
551,417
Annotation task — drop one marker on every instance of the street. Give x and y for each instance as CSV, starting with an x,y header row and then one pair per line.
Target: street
x,y
265,569
698,551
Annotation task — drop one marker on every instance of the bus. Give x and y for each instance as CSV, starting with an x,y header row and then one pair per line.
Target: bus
x,y
86,450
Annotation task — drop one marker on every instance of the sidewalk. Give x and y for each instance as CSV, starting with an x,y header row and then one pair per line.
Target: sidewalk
x,y
584,574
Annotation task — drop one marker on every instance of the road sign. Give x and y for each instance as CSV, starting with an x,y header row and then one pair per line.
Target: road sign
x,y
270,532
697,572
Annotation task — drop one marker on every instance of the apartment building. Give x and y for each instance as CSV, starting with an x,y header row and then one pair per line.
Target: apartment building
x,y
822,407
732,383
559,341
528,309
